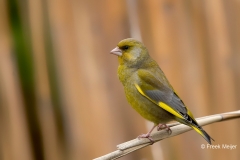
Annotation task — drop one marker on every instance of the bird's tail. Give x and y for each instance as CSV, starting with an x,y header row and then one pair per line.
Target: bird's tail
x,y
203,133
193,124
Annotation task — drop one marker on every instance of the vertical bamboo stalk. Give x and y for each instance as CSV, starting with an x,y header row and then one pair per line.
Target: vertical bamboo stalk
x,y
51,142
14,137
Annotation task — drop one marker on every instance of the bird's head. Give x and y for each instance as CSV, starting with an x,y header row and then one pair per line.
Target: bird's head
x,y
131,52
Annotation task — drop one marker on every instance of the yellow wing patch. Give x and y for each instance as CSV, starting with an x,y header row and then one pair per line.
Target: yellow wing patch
x,y
139,90
169,109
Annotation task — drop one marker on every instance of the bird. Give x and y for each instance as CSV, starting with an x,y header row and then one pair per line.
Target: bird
x,y
148,90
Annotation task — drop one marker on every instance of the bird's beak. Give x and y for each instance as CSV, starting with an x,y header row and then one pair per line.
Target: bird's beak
x,y
117,51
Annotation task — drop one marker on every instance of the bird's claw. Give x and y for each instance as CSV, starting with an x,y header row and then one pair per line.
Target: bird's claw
x,y
164,126
146,136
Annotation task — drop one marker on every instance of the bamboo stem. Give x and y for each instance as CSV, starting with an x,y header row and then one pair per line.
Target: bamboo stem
x,y
177,129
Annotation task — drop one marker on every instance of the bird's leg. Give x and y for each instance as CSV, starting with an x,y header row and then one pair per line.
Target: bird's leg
x,y
164,126
147,135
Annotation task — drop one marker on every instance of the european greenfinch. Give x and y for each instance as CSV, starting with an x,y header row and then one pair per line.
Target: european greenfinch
x,y
148,90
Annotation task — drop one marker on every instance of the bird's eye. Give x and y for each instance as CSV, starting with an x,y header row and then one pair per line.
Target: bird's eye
x,y
125,47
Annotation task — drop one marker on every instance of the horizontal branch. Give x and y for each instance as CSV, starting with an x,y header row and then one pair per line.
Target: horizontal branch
x,y
177,128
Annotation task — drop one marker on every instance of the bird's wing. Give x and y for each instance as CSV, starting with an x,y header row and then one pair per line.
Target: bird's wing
x,y
163,96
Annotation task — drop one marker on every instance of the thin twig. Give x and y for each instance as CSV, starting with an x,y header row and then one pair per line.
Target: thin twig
x,y
177,128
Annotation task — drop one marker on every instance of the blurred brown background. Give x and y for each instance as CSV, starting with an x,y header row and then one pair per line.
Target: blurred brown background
x,y
60,97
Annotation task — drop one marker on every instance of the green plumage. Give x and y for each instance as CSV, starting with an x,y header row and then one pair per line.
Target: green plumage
x,y
147,88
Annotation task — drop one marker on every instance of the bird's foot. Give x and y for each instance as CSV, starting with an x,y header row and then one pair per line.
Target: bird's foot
x,y
146,136
164,126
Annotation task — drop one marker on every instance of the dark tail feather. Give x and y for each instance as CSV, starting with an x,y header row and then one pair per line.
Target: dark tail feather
x,y
193,123
202,133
